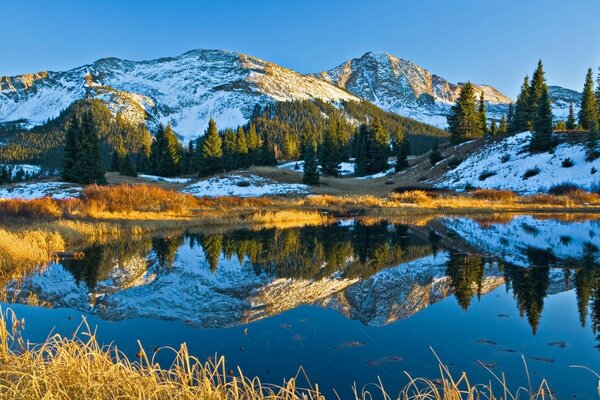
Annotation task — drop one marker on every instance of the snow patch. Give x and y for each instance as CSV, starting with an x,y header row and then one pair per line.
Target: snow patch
x,y
243,186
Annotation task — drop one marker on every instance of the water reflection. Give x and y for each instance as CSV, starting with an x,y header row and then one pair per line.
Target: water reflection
x,y
374,272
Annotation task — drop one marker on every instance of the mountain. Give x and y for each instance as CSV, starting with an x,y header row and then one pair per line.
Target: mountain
x,y
185,90
405,88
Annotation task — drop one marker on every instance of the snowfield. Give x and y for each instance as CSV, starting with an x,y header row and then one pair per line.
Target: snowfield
x,y
242,186
38,190
346,168
506,162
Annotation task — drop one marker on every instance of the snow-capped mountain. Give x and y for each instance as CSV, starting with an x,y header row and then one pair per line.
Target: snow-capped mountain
x,y
185,90
405,88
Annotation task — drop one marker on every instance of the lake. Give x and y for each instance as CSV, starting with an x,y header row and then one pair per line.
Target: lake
x,y
352,301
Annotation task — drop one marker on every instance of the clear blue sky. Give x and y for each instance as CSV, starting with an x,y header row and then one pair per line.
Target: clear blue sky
x,y
495,42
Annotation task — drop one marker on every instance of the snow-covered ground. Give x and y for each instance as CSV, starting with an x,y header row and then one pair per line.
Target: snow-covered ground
x,y
346,168
507,161
242,186
37,190
155,178
511,241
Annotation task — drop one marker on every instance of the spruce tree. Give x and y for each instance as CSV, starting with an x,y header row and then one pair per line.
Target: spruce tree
x,y
378,148
241,148
538,83
434,155
254,144
267,152
230,156
165,152
493,128
464,120
311,164
598,96
126,168
329,151
503,128
401,148
510,118
541,140
588,114
360,151
212,151
521,120
71,151
571,124
482,116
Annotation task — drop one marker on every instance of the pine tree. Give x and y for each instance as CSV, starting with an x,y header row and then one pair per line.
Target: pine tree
x,y
378,148
503,128
165,152
311,164
212,151
541,140
482,116
71,151
538,83
254,144
267,152
126,168
230,156
598,97
360,151
521,120
434,155
330,151
493,128
241,148
510,117
464,120
571,124
588,114
401,148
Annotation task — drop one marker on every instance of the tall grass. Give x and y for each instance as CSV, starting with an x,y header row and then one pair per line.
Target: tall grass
x,y
80,368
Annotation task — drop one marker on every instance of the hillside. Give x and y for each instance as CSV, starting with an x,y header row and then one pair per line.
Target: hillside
x,y
184,91
405,88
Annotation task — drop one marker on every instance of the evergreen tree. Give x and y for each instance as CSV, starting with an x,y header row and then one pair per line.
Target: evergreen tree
x,y
401,148
588,114
330,151
482,116
230,156
521,120
254,144
541,140
538,83
598,96
510,118
493,128
311,164
212,151
126,168
82,159
267,152
591,146
378,148
360,152
464,120
165,152
71,151
435,156
241,148
503,128
571,124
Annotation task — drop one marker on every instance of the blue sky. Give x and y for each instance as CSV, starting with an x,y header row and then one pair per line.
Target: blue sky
x,y
495,42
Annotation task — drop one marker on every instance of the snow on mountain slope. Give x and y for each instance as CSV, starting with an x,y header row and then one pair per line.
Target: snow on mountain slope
x,y
506,162
561,99
185,90
511,241
405,88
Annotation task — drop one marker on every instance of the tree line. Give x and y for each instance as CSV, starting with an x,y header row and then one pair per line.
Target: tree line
x,y
532,111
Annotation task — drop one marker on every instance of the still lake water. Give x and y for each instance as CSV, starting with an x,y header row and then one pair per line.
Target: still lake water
x,y
350,302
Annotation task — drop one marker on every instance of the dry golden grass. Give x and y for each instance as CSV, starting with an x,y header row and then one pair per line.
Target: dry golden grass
x,y
289,218
80,368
